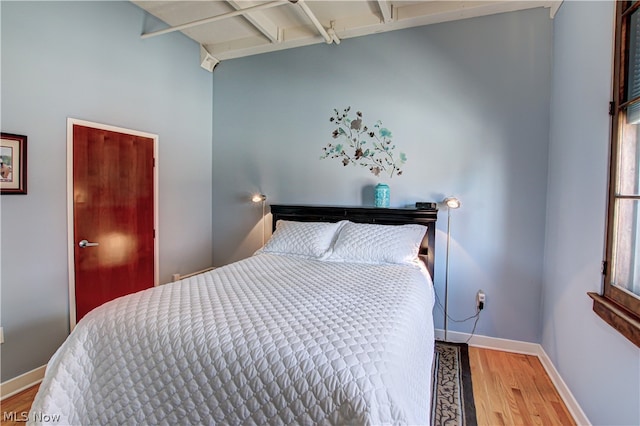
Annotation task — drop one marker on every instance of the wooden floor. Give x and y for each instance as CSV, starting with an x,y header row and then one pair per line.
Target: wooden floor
x,y
16,408
508,389
514,389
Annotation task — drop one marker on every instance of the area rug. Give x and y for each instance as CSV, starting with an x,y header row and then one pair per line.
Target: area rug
x,y
452,392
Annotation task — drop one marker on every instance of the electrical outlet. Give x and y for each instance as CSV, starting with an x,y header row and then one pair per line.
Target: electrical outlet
x,y
480,299
1,335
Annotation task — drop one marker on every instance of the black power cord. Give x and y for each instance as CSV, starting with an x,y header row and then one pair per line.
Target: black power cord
x,y
476,315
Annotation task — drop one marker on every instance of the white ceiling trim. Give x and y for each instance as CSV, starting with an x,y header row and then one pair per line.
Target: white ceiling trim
x,y
263,27
555,5
260,21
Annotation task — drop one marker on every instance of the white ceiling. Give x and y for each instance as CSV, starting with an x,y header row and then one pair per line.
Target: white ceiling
x,y
228,29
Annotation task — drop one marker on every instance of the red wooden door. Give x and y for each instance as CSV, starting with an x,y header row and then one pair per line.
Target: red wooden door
x,y
113,212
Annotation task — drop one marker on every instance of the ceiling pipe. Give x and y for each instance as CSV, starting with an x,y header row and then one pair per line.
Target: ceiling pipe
x,y
239,12
315,21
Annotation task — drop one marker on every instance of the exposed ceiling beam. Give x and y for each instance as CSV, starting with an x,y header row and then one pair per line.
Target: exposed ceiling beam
x,y
333,35
385,10
268,5
259,20
369,24
327,38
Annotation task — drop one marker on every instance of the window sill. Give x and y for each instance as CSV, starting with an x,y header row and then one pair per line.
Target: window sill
x,y
625,322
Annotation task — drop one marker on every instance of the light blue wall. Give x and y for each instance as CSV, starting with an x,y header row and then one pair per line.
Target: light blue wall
x,y
467,101
599,365
86,60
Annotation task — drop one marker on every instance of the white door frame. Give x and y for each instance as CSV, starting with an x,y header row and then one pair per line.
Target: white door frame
x,y
70,219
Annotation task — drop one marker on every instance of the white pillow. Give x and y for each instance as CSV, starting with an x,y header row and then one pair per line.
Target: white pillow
x,y
306,239
370,243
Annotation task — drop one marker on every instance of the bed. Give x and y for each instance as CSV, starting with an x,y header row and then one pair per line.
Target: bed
x,y
329,323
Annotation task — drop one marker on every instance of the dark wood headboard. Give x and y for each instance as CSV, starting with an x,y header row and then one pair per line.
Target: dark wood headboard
x,y
383,216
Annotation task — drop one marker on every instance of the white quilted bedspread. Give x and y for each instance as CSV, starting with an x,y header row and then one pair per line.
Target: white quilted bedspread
x,y
268,340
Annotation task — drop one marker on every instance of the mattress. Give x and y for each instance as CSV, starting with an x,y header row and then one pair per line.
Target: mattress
x,y
268,340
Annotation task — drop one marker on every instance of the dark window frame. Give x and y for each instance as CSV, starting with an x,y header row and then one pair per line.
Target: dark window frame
x,y
615,306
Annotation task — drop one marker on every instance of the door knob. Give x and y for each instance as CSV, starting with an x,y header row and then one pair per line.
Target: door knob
x,y
85,243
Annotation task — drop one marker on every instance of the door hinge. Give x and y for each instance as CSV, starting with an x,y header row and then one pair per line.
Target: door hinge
x,y
154,233
154,162
612,108
603,267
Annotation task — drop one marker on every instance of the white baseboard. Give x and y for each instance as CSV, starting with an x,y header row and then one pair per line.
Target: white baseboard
x,y
572,405
22,382
526,348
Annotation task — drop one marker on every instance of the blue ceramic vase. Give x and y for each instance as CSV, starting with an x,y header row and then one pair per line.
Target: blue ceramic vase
x,y
382,195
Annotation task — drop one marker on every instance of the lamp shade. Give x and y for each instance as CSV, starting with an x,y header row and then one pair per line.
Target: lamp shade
x,y
452,202
258,198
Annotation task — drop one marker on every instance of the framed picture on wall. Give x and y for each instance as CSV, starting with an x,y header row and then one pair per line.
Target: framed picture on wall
x,y
13,164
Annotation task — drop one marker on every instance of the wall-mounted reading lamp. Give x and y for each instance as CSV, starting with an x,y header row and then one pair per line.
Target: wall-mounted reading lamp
x,y
261,198
451,203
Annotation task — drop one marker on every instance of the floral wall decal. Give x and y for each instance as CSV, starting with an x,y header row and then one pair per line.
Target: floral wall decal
x,y
369,147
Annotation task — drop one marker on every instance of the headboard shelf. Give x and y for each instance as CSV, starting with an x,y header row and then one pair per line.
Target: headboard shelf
x,y
382,216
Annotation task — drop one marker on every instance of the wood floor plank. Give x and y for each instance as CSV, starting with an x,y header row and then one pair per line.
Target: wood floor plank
x,y
514,389
15,409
